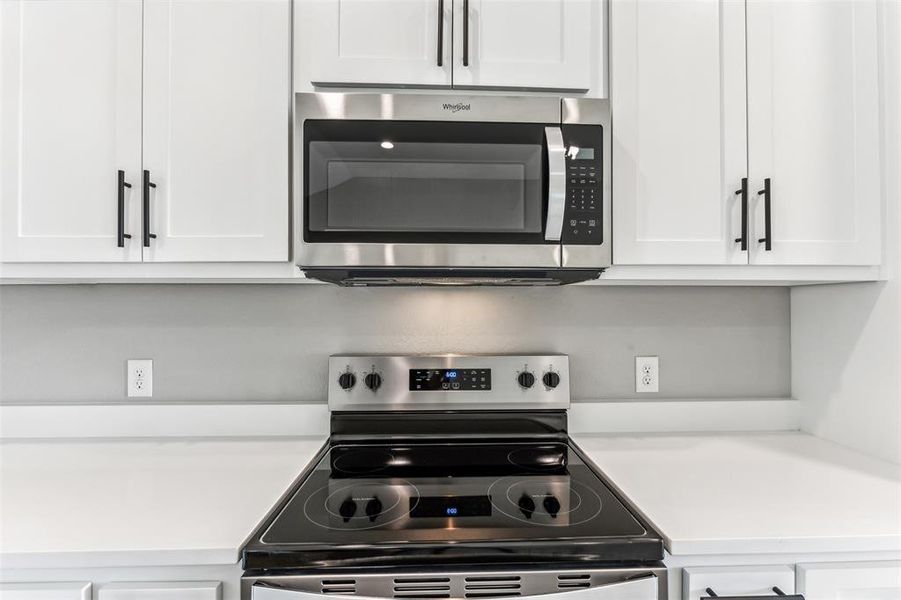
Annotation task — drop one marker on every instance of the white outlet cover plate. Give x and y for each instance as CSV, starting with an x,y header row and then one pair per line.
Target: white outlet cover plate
x,y
647,374
139,378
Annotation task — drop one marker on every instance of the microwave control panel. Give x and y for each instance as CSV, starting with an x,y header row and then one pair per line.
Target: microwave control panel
x,y
584,185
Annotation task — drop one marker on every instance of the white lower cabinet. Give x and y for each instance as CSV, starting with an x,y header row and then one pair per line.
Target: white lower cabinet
x,y
45,591
187,590
737,581
850,581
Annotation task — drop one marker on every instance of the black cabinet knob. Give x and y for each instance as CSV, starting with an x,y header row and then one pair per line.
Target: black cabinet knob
x,y
526,505
373,381
373,509
526,380
551,505
551,379
347,380
347,509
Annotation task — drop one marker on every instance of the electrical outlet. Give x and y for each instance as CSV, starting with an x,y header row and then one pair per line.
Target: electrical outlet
x,y
647,374
140,378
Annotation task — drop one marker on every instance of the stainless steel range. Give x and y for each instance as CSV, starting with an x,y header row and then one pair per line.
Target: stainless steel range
x,y
452,477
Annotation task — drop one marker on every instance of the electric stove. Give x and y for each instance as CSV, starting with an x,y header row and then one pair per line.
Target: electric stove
x,y
451,473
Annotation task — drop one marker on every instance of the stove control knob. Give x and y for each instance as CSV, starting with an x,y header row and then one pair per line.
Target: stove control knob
x,y
373,509
347,380
526,380
373,381
347,509
526,505
551,380
551,505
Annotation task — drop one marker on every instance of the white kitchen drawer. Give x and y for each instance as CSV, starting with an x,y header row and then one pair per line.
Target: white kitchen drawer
x,y
45,591
737,581
181,590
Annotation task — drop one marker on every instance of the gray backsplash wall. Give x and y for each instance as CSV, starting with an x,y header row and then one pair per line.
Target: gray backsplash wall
x,y
271,342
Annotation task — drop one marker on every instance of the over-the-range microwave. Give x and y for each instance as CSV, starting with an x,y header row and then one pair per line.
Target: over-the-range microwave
x,y
418,189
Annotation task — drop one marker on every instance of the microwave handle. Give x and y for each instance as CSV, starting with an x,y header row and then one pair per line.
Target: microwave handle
x,y
556,189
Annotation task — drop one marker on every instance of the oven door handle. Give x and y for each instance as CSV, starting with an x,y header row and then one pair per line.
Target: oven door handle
x,y
642,588
556,189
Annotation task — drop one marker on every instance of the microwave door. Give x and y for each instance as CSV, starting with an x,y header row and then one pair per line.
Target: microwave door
x,y
431,194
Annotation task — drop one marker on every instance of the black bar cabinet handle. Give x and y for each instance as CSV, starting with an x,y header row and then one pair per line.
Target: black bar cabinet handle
x,y
440,33
146,220
465,33
767,216
121,184
779,594
743,240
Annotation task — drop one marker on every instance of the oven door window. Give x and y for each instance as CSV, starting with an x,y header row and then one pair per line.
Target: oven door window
x,y
424,182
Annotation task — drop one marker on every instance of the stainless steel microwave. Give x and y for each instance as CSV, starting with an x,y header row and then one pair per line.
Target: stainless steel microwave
x,y
418,189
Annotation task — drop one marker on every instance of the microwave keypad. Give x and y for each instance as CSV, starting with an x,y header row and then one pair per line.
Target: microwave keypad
x,y
584,197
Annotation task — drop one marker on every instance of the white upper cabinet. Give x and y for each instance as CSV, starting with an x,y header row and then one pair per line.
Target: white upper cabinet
x,y
216,114
70,120
540,44
813,126
493,44
373,42
847,581
679,140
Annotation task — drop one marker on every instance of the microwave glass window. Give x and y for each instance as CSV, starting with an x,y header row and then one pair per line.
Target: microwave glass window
x,y
414,181
417,186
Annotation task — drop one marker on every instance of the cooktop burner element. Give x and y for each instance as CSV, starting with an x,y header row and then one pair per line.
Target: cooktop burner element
x,y
538,458
444,485
360,461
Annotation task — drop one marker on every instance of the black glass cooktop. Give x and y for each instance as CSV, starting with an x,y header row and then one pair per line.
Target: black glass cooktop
x,y
494,502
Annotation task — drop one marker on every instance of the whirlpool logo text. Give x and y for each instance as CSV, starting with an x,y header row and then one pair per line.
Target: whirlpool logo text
x,y
455,108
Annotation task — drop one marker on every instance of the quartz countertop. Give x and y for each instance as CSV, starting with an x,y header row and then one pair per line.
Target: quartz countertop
x,y
749,493
140,502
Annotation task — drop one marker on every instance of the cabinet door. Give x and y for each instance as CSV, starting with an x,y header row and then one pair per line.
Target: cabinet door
x,y
45,591
679,138
187,590
216,123
70,119
850,581
813,126
373,42
541,44
737,581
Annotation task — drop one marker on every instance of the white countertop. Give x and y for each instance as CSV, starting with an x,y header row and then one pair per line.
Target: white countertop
x,y
754,493
139,502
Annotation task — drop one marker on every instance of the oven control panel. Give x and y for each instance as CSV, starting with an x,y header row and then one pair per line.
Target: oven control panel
x,y
448,382
584,184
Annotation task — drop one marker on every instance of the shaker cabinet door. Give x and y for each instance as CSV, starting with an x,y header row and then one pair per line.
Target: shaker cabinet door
x,y
678,97
372,42
813,127
840,581
70,120
216,123
538,44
